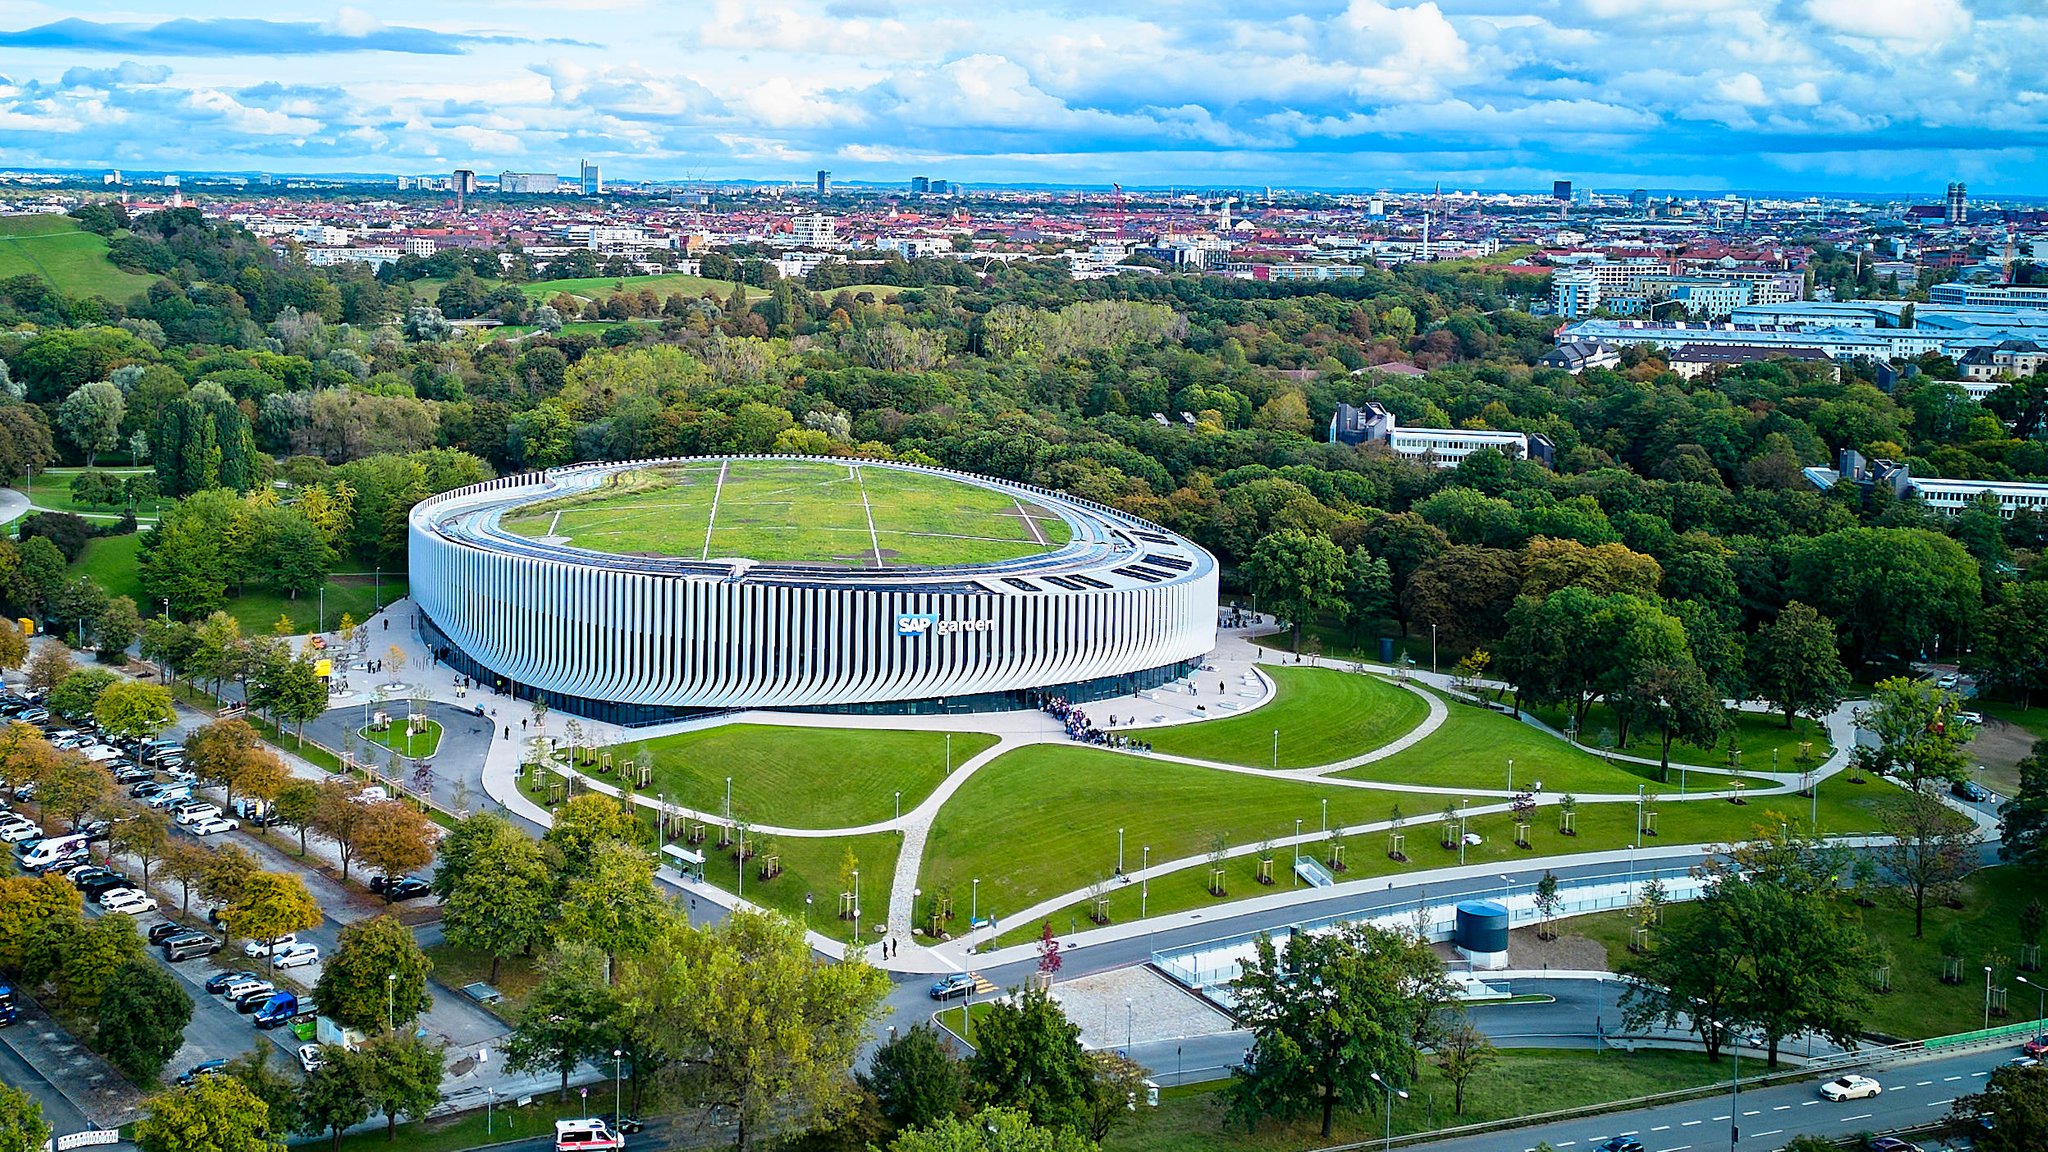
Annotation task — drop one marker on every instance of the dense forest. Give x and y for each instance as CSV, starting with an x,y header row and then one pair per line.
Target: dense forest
x,y
298,412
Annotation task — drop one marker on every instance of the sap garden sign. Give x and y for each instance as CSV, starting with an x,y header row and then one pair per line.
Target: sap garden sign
x,y
929,624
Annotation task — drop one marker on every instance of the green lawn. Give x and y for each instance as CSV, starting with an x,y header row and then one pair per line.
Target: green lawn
x,y
397,739
797,511
1524,1081
1043,820
111,561
455,967
599,287
959,1020
878,291
1759,735
1322,715
2033,719
1475,744
73,260
811,867
802,777
51,489
1843,808
1919,1004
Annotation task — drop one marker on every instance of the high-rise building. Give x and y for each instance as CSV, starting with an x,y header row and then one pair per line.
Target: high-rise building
x,y
824,182
529,183
919,185
1639,199
941,188
813,231
593,180
1958,203
463,181
1561,190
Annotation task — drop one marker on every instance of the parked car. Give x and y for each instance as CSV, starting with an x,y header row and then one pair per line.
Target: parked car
x,y
257,949
249,1002
1892,1144
246,984
309,1058
163,930
186,945
1851,1088
95,831
952,984
213,824
8,1014
170,796
401,888
97,886
297,956
2038,1046
19,831
208,1068
219,981
128,900
191,811
1970,790
276,1010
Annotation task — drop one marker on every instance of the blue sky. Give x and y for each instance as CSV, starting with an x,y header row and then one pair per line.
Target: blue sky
x,y
1494,94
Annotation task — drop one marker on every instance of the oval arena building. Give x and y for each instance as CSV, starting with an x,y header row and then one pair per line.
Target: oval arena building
x,y
657,589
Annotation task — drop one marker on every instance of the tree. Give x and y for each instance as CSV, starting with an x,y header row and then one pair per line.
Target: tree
x,y
143,835
2015,1100
90,956
2023,820
298,804
77,694
917,1082
117,627
338,1095
1300,575
991,1130
73,787
2010,652
1795,664
1890,591
213,1114
135,711
224,879
1368,588
1461,1051
296,692
279,1090
1932,846
500,898
1465,591
353,989
1028,1056
1115,1085
571,1016
751,1026
186,860
220,752
1326,1010
405,1077
1919,739
13,645
612,903
1548,901
583,823
21,1121
341,817
91,419
272,904
142,1019
1675,698
395,838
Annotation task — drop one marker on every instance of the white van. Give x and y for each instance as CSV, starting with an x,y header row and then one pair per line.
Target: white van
x,y
51,849
586,1135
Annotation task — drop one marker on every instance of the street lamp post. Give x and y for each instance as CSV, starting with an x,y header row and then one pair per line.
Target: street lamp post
x,y
391,1001
2040,998
1987,997
1325,802
1144,884
974,902
1639,817
1130,1023
1511,775
618,1093
1119,851
1388,1092
1297,850
856,905
1461,831
899,804
728,800
1432,648
1276,749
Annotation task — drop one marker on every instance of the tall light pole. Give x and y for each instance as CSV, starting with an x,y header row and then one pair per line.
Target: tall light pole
x,y
1144,884
1511,775
974,902
1325,803
899,804
949,753
1276,749
1388,1091
1639,817
1432,648
1119,851
391,1001
618,1095
856,905
1461,831
1987,997
728,800
2040,998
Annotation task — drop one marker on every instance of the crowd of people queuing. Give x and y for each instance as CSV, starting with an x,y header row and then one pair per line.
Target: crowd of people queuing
x,y
1080,727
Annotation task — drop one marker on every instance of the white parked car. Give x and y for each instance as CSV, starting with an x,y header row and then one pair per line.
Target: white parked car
x,y
298,956
372,794
309,1058
208,825
257,948
245,986
20,832
193,811
1851,1088
128,900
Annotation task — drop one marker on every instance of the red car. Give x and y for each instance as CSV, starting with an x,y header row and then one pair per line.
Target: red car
x,y
2038,1046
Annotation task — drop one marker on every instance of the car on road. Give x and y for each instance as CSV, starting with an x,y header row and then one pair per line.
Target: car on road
x,y
1969,790
207,1068
8,1013
952,984
1949,682
213,825
128,900
309,1058
1851,1088
1892,1144
2024,1062
257,949
2038,1046
1621,1144
297,956
277,1010
399,888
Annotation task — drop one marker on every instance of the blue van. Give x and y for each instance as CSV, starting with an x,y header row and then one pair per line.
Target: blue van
x,y
277,1011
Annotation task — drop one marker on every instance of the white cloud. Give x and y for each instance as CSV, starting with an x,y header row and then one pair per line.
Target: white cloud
x,y
1742,88
1903,21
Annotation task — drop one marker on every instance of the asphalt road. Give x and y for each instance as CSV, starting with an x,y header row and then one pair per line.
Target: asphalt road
x,y
58,1112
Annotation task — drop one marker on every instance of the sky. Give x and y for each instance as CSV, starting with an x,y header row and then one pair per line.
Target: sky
x,y
1821,95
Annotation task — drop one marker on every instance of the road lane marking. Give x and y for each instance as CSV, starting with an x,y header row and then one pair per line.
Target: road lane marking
x,y
1661,1128
1781,1108
1749,1113
1922,1083
1690,1123
1849,1119
1809,1103
1950,1079
1772,1132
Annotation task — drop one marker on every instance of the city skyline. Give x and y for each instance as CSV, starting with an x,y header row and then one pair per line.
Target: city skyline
x,y
1874,97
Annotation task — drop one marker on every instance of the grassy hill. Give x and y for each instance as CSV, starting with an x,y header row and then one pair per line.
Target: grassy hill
x,y
599,287
70,258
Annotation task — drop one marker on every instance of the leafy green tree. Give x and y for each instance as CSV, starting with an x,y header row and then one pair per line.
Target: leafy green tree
x,y
117,627
278,1089
405,1077
917,1082
1326,1010
612,903
583,824
1028,1056
1465,591
2023,820
2010,651
1368,588
1299,576
1461,1052
213,1114
298,803
2016,1102
338,1095
21,1121
1116,1087
1795,664
134,710
498,895
1918,736
270,905
1891,591
79,693
353,989
1931,846
91,419
992,1130
571,1016
142,1018
90,957
752,1026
